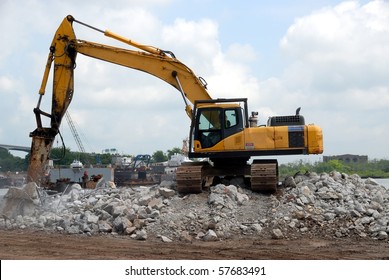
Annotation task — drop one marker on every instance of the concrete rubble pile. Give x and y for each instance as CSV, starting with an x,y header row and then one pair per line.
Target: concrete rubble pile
x,y
327,205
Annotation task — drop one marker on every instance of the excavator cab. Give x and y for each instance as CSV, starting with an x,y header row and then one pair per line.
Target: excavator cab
x,y
215,120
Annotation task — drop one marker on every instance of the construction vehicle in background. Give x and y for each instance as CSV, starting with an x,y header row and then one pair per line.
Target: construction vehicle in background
x,y
221,130
136,171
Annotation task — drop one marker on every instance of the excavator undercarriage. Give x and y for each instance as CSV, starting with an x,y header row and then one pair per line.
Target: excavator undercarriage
x,y
261,175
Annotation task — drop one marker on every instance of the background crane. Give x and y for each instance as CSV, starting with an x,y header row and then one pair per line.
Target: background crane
x,y
74,132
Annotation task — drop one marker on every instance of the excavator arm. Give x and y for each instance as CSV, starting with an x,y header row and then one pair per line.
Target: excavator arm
x,y
63,52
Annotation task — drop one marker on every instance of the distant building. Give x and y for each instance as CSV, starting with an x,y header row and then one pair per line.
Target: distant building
x,y
347,158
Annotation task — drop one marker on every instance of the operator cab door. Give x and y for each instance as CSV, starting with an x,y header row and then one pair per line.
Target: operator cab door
x,y
215,124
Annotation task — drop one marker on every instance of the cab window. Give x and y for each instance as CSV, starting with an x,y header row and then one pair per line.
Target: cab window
x,y
209,128
230,118
209,119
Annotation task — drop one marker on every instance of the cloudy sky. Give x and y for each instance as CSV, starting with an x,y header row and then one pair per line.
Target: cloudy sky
x,y
331,58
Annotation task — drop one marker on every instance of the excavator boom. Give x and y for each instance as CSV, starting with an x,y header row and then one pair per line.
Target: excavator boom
x,y
63,51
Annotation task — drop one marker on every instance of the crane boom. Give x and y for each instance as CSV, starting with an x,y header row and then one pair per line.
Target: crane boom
x,y
74,132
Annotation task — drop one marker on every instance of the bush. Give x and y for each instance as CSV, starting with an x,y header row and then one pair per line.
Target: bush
x,y
375,168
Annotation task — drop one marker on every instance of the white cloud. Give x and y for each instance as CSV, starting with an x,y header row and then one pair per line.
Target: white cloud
x,y
6,84
241,53
341,46
338,58
194,43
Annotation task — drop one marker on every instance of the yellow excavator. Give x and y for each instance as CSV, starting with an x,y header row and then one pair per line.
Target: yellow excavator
x,y
222,133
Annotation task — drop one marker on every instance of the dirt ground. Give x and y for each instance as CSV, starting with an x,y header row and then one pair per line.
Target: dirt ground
x,y
39,245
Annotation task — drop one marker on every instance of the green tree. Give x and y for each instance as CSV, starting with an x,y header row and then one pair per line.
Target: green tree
x,y
159,156
173,151
8,162
65,157
374,168
332,165
102,158
61,156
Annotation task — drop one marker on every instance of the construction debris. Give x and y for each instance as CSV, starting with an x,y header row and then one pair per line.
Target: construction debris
x,y
331,205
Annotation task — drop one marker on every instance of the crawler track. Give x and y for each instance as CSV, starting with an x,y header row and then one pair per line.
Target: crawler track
x,y
189,178
264,176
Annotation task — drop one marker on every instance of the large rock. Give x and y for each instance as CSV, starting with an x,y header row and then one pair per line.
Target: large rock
x,y
141,235
210,236
104,226
167,193
144,200
120,224
21,201
277,234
